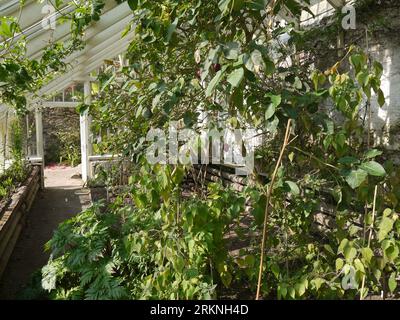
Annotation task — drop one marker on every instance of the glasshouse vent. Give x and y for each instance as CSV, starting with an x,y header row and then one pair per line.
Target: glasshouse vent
x,y
197,150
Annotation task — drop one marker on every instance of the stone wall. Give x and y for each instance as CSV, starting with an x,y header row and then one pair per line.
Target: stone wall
x,y
59,123
382,41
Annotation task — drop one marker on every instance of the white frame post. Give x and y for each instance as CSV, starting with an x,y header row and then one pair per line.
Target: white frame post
x,y
39,140
85,133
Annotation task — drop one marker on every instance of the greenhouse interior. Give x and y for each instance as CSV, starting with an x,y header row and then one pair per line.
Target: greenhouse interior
x,y
199,150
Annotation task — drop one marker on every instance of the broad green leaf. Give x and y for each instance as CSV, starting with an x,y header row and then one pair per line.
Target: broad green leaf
x,y
282,291
236,77
350,253
275,102
301,287
392,252
348,160
231,50
387,212
292,292
343,244
133,4
49,276
238,5
356,177
224,5
392,283
275,99
381,98
372,153
294,188
226,278
367,254
171,30
339,264
275,270
373,168
250,261
358,61
337,194
317,282
359,265
213,83
385,226
269,113
329,249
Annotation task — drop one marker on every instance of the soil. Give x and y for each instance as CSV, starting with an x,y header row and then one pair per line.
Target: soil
x,y
62,198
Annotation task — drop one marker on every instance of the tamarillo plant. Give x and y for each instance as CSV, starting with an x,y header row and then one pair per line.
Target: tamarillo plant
x,y
227,59
149,249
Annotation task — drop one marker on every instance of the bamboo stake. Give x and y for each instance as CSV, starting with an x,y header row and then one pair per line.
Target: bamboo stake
x,y
269,191
369,237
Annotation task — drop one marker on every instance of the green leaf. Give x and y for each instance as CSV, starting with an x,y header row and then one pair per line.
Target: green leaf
x,y
329,249
250,260
226,278
318,283
82,108
231,50
269,66
213,83
282,291
301,287
385,226
367,254
348,160
294,189
275,102
337,194
359,265
133,4
270,111
223,5
171,30
275,99
358,61
356,177
339,264
381,98
349,253
372,153
292,292
238,5
373,168
392,252
49,276
236,77
275,270
392,283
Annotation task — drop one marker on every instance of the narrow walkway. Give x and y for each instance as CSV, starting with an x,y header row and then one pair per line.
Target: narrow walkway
x,y
62,198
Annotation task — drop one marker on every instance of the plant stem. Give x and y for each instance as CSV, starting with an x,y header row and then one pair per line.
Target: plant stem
x,y
269,191
369,236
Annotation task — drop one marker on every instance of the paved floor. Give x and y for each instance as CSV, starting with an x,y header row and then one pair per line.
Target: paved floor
x,y
62,198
